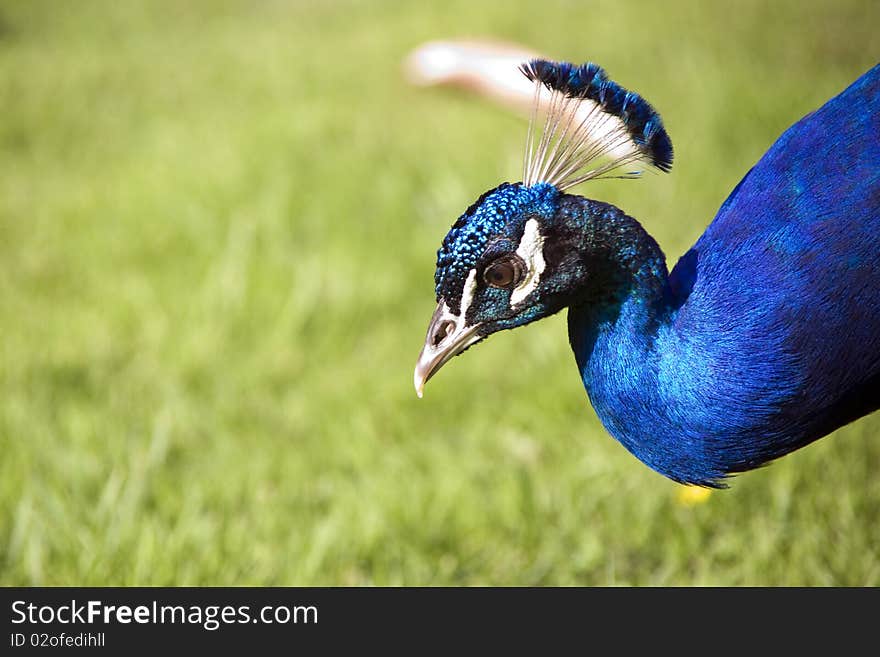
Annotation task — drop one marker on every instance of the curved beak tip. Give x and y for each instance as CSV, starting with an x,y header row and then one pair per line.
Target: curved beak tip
x,y
419,383
447,336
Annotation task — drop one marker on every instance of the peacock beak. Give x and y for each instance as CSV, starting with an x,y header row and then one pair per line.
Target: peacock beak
x,y
448,336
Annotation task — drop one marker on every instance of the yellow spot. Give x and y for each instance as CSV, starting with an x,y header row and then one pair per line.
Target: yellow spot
x,y
692,495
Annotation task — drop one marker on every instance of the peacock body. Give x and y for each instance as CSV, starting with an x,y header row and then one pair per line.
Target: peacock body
x,y
763,338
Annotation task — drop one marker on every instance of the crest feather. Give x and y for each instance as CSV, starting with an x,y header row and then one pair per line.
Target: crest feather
x,y
588,117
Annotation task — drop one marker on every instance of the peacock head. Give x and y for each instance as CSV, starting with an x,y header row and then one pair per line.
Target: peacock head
x,y
514,256
496,269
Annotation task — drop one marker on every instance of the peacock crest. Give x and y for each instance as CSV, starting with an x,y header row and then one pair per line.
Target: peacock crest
x,y
592,127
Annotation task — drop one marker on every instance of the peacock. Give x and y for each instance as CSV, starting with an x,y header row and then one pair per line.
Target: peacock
x,y
764,337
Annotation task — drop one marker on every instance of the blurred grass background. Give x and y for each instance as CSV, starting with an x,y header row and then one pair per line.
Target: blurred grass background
x,y
218,223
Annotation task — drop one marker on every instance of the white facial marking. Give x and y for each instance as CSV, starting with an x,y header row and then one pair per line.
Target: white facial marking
x,y
531,250
467,294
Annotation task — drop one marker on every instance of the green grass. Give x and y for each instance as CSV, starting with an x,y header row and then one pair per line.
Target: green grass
x,y
218,224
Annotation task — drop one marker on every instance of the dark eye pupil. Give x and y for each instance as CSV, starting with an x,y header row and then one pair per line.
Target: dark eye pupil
x,y
500,274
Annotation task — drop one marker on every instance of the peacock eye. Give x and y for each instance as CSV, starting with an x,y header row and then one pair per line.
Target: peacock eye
x,y
504,272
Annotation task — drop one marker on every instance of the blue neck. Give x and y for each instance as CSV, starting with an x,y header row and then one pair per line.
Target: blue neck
x,y
619,342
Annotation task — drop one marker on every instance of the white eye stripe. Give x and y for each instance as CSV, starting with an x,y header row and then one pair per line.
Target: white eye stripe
x,y
467,298
468,292
531,250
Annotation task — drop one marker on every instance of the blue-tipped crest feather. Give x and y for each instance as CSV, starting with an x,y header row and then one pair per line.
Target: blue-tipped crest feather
x,y
590,82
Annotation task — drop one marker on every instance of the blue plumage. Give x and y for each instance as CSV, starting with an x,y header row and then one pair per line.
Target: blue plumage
x,y
764,337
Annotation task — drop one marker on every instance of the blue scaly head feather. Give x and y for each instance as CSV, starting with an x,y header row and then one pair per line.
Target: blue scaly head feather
x,y
492,225
561,248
